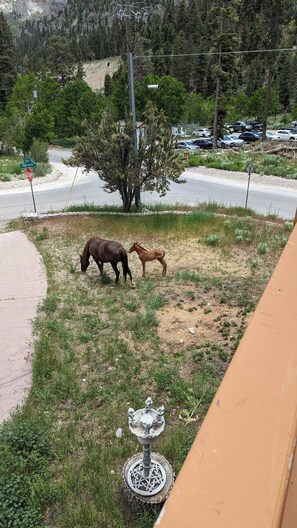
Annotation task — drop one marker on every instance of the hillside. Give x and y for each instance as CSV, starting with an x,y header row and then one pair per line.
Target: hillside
x,y
96,70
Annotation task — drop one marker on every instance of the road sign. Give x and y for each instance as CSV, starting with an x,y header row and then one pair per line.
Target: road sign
x,y
28,170
27,164
30,178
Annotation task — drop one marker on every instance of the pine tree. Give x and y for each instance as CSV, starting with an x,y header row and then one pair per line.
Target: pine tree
x,y
61,62
7,61
272,27
223,21
107,85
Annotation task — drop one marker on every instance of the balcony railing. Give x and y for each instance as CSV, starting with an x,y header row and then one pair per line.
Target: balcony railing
x,y
238,473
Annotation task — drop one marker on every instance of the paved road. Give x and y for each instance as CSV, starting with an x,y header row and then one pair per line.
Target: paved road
x,y
199,188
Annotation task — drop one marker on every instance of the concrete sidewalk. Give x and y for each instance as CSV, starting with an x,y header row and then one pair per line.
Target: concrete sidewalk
x,y
23,286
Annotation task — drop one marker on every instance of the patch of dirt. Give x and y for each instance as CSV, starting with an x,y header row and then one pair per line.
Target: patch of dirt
x,y
96,70
192,324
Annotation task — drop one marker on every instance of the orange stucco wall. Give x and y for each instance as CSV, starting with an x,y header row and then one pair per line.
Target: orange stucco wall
x,y
237,471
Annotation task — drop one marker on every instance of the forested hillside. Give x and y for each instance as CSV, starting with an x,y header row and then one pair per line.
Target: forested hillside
x,y
214,62
181,39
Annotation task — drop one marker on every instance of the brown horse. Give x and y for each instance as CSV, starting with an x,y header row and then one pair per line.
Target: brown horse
x,y
147,255
105,251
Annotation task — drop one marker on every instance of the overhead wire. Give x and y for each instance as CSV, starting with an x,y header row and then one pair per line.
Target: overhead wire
x,y
238,52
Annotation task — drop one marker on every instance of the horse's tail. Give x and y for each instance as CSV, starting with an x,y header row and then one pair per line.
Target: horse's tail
x,y
124,261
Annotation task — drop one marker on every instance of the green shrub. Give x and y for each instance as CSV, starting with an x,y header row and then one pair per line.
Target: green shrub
x,y
39,151
241,234
228,224
64,142
288,226
43,234
105,279
262,248
42,169
25,456
212,240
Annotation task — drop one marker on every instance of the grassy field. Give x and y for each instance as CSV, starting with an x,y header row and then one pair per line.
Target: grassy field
x,y
101,349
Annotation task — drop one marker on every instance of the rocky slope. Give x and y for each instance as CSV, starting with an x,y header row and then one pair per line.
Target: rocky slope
x,y
23,9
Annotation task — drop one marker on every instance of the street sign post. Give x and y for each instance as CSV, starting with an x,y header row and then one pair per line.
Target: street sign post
x,y
30,179
248,185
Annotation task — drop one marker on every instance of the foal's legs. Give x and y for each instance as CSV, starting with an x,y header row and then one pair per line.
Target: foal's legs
x,y
164,264
143,268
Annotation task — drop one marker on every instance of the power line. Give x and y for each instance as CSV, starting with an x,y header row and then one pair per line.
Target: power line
x,y
216,53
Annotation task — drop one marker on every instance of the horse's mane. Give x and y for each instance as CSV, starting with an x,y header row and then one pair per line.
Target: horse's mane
x,y
86,253
141,247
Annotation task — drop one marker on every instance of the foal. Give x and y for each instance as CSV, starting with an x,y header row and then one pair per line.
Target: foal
x,y
147,255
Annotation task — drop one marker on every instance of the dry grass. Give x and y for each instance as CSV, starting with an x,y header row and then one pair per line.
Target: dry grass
x,y
102,348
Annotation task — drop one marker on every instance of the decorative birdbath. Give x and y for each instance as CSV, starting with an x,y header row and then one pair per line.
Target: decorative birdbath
x,y
148,476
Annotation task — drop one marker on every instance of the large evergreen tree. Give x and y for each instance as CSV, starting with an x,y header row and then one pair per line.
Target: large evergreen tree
x,y
223,19
272,27
7,61
61,62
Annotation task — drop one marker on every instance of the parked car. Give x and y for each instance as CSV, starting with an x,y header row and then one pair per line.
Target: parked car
x,y
237,142
286,135
254,126
239,126
203,143
185,145
249,125
258,126
248,137
272,136
291,129
225,142
202,132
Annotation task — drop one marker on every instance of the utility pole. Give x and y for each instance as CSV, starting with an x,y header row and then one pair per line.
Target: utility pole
x,y
218,89
128,11
132,92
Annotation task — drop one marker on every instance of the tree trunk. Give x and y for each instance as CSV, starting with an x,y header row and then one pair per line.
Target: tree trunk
x,y
266,103
127,196
215,117
138,198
